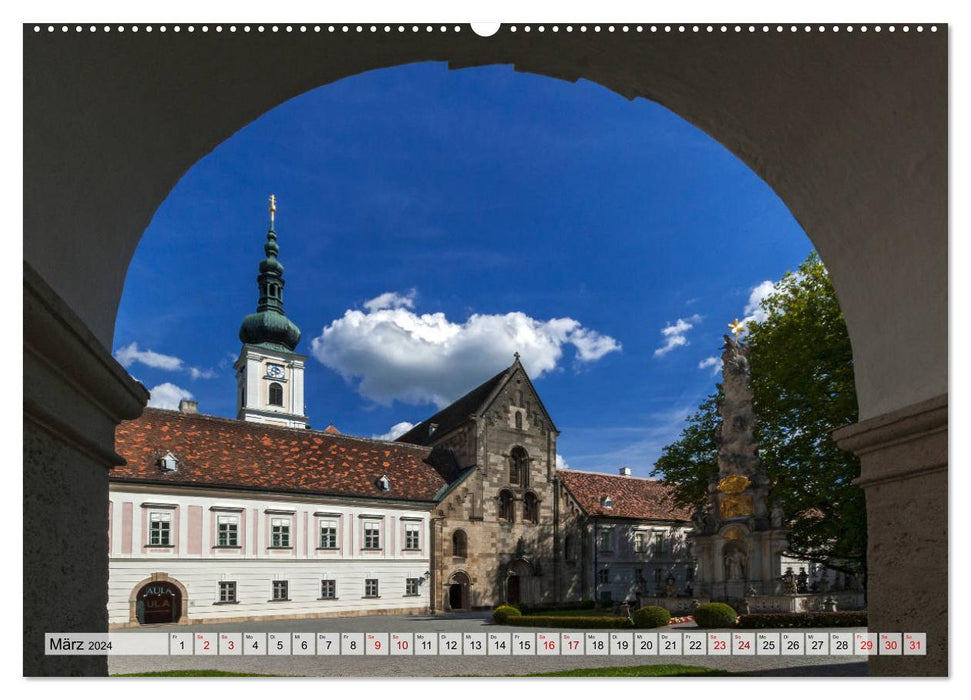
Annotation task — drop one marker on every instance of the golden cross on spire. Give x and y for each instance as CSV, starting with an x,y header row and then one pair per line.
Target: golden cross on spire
x,y
736,327
272,207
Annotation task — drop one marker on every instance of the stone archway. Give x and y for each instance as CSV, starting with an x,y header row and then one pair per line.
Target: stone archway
x,y
518,586
103,147
172,596
458,594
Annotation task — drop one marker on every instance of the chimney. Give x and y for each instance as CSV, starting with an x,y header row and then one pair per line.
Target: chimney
x,y
625,471
188,406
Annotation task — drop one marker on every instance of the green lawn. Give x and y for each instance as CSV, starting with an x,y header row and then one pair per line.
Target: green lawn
x,y
200,672
638,671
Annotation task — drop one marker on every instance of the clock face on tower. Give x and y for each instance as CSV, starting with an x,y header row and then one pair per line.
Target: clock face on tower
x,y
274,371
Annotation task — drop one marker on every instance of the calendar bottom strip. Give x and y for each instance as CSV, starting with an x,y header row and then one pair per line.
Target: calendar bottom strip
x,y
671,643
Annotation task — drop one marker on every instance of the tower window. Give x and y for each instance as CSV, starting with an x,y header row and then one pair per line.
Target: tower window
x,y
460,544
519,467
505,506
276,394
530,508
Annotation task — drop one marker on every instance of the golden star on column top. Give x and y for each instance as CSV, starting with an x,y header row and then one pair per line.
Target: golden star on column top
x,y
736,327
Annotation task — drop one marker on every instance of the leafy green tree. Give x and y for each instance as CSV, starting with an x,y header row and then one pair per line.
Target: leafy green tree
x,y
689,462
803,387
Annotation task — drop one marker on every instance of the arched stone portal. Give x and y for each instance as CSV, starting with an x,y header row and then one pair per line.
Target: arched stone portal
x,y
103,146
158,599
458,593
519,583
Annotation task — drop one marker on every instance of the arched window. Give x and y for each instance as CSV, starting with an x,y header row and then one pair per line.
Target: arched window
x,y
530,508
519,420
519,467
276,394
505,506
568,548
460,544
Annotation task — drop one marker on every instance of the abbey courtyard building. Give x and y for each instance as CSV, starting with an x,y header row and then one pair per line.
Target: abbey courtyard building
x,y
262,517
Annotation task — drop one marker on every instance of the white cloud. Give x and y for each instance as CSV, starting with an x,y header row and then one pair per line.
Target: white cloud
x,y
396,431
714,362
675,334
167,395
391,300
131,354
753,310
394,353
561,463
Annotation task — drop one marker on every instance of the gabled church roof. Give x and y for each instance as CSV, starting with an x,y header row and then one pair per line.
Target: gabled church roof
x,y
472,404
630,497
220,452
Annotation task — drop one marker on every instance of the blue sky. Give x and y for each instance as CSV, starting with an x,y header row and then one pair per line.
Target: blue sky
x,y
431,222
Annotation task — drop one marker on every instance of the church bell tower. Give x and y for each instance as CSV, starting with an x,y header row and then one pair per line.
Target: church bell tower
x,y
269,374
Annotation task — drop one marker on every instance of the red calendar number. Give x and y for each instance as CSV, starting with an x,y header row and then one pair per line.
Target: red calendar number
x,y
573,644
721,645
866,645
403,645
377,644
890,644
550,645
232,645
744,645
914,645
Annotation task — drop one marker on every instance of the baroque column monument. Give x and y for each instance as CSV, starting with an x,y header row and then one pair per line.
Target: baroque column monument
x,y
738,540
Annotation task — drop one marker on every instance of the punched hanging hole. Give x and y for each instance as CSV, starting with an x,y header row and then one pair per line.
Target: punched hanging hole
x,y
485,29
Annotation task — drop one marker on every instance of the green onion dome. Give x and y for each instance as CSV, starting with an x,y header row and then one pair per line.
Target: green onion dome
x,y
269,326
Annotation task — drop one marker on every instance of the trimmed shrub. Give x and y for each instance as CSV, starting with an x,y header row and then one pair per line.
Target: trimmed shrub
x,y
502,614
555,607
757,621
612,622
651,616
711,615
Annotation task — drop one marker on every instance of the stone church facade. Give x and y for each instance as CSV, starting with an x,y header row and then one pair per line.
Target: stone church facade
x,y
494,534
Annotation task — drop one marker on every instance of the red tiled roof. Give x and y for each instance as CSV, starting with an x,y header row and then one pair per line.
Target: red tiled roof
x,y
647,499
222,452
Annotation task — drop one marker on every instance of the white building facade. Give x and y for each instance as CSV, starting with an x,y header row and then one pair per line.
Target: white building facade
x,y
236,556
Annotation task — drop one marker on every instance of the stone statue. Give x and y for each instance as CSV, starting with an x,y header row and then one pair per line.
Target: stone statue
x,y
802,580
669,590
777,515
788,582
829,605
735,566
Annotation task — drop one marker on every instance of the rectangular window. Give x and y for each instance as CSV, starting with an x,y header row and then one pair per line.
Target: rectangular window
x,y
640,542
412,536
370,588
227,591
280,532
281,590
372,535
411,586
606,544
328,534
657,575
604,576
227,528
328,588
160,529
659,543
